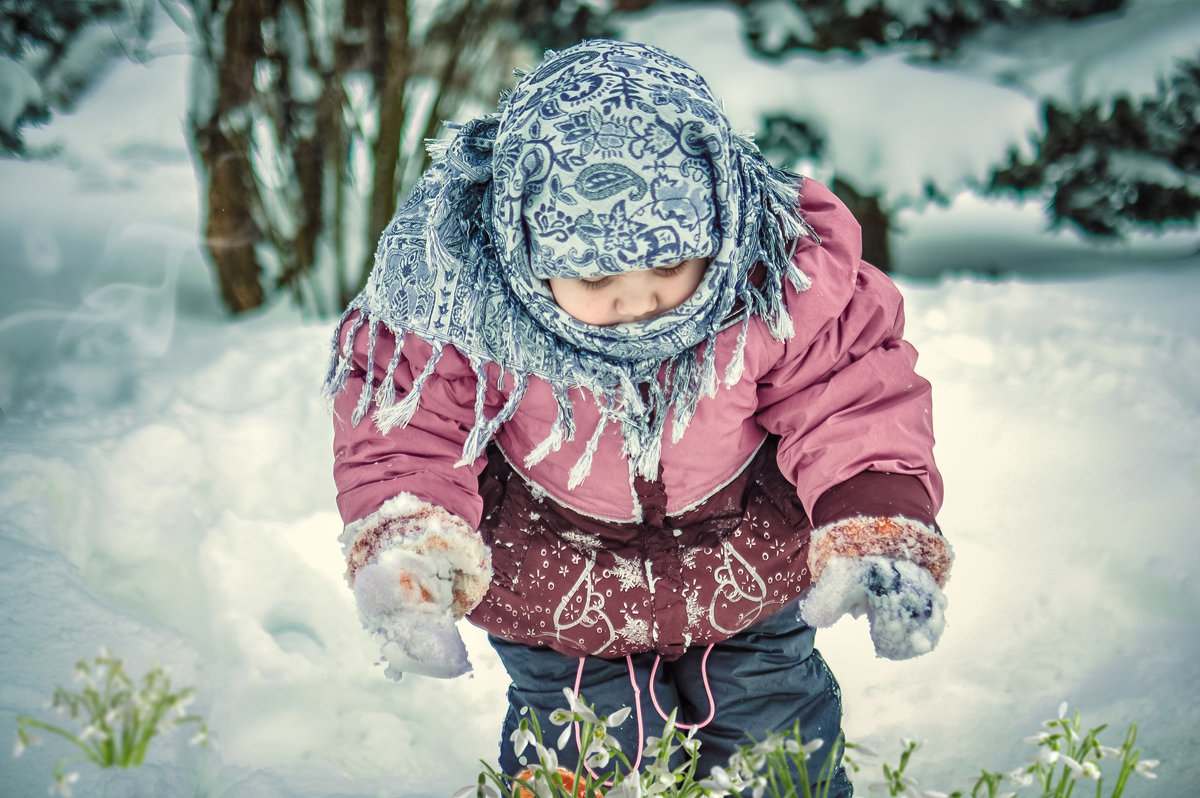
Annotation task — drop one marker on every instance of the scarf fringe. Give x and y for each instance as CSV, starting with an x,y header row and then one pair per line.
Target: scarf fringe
x,y
737,363
485,428
399,414
385,397
364,397
341,360
583,466
562,430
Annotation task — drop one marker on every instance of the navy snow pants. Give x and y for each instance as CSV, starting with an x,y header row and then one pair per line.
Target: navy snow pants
x,y
763,680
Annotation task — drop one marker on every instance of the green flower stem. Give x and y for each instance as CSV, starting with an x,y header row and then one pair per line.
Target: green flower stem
x,y
90,754
118,719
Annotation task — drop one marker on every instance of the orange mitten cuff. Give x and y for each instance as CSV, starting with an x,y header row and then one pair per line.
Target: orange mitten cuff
x,y
896,537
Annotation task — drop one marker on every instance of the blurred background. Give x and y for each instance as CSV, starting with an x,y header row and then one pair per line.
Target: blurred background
x,y
261,145
190,190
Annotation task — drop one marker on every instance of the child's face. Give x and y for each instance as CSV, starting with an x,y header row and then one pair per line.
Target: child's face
x,y
629,296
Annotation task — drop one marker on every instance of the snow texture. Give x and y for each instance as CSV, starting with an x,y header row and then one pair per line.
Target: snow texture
x,y
906,609
177,505
404,600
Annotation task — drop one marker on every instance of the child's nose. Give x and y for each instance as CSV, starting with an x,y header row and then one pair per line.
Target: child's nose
x,y
637,300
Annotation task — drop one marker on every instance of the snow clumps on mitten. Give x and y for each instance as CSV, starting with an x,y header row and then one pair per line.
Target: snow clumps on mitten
x,y
905,607
415,569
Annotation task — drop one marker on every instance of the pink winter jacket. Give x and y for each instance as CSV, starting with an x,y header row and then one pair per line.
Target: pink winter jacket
x,y
836,401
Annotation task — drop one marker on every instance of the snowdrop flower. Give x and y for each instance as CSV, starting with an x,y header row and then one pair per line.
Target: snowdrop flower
x,y
93,730
629,788
548,758
1144,767
1045,757
904,782
577,708
521,737
1075,767
1021,777
1038,738
599,753
770,743
865,750
812,746
618,717
1091,771
1059,721
652,744
748,761
1109,752
690,745
24,740
62,783
718,784
541,787
201,739
657,781
181,707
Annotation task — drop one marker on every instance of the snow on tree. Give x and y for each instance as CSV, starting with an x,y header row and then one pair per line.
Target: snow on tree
x,y
1113,83
53,51
1109,170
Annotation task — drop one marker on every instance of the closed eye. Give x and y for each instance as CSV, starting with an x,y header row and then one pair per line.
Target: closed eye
x,y
592,283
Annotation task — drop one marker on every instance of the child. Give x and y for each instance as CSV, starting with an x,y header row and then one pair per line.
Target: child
x,y
625,396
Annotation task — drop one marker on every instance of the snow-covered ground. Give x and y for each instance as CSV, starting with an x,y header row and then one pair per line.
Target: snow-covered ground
x,y
165,491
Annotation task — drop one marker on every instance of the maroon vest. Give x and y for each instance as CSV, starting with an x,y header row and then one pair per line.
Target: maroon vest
x,y
586,586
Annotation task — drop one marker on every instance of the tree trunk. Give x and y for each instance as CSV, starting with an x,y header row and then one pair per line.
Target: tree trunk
x,y
876,224
230,232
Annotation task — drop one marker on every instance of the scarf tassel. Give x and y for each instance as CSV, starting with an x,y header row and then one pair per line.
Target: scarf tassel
x,y
651,453
364,397
737,363
562,430
340,362
485,428
583,466
385,397
401,412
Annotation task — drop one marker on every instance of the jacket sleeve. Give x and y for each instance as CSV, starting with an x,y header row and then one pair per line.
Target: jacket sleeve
x,y
853,416
401,487
418,458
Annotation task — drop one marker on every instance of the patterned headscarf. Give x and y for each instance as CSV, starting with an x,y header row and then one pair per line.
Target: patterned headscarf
x,y
609,157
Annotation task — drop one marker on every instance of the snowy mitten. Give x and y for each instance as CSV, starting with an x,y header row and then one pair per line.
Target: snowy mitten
x,y
405,603
902,601
415,570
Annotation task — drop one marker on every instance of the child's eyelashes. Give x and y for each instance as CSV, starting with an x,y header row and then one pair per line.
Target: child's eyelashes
x,y
662,271
593,283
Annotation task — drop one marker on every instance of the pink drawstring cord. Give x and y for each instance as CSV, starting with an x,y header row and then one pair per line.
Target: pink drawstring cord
x,y
637,703
712,706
